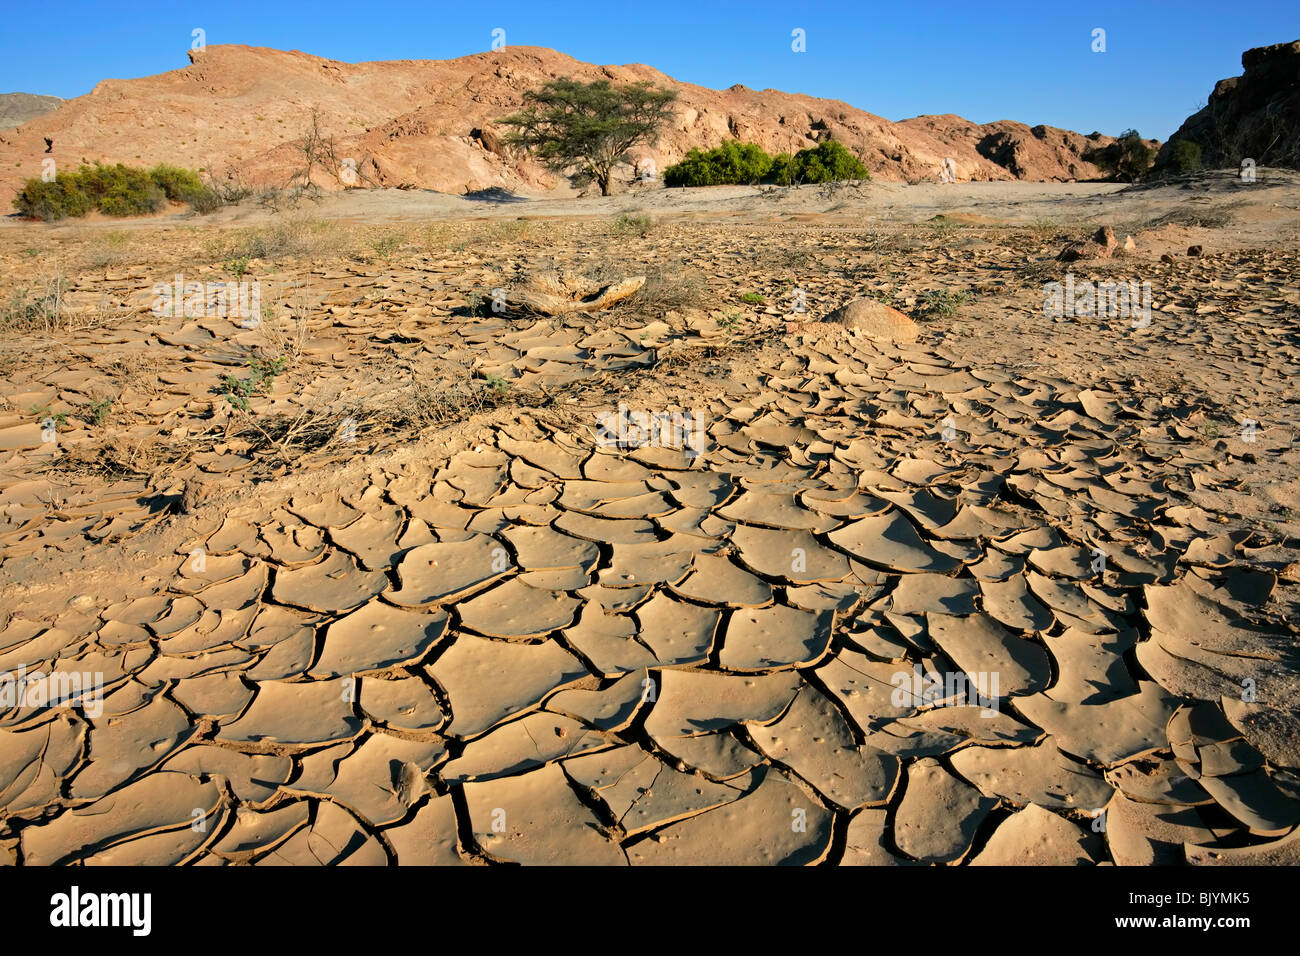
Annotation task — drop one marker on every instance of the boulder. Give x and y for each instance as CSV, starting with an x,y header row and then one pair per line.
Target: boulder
x,y
490,140
876,319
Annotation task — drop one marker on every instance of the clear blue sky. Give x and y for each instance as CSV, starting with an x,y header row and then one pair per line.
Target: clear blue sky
x,y
1023,60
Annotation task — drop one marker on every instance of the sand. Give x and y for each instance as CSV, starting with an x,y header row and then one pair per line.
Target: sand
x,y
664,582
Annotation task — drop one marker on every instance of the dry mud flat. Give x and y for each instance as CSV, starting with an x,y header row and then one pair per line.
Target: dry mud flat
x,y
1021,591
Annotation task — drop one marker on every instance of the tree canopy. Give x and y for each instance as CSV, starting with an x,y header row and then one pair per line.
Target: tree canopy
x,y
590,126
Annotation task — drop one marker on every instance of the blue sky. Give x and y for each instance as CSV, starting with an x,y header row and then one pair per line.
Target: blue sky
x,y
1027,61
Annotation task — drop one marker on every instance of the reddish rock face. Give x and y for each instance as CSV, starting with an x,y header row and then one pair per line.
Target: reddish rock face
x,y
434,124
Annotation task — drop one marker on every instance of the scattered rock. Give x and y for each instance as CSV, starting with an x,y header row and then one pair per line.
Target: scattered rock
x,y
1102,245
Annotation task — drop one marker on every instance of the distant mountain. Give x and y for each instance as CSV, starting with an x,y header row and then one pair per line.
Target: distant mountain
x,y
432,124
18,108
1252,116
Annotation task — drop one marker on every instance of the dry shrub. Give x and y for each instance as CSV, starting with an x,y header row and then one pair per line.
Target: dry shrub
x,y
116,457
386,243
286,319
666,289
420,404
36,306
290,237
104,250
1211,217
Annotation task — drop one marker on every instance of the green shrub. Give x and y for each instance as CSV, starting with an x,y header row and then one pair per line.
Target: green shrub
x,y
114,190
1127,159
943,302
626,224
121,190
732,163
53,200
98,410
183,185
827,162
1186,157
744,164
261,376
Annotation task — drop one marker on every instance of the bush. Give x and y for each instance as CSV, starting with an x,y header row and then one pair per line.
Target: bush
x,y
53,200
732,163
183,185
1186,157
626,225
825,163
1127,159
744,164
113,190
122,191
226,190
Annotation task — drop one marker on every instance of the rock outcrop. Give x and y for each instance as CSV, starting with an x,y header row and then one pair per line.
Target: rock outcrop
x,y
1255,116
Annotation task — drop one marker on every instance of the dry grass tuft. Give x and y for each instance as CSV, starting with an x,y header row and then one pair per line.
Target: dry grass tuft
x,y
291,237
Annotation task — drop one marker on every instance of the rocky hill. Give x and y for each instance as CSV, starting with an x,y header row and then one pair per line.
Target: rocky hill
x,y
1252,116
431,124
18,108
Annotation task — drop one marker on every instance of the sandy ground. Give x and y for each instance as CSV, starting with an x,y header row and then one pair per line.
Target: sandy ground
x,y
377,578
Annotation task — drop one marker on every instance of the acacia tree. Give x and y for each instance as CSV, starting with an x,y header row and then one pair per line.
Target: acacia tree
x,y
1127,159
590,126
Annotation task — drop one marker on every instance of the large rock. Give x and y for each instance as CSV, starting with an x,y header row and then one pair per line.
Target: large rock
x,y
1252,116
874,318
491,141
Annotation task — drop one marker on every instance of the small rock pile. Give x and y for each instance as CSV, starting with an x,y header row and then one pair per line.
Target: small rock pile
x,y
1103,245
